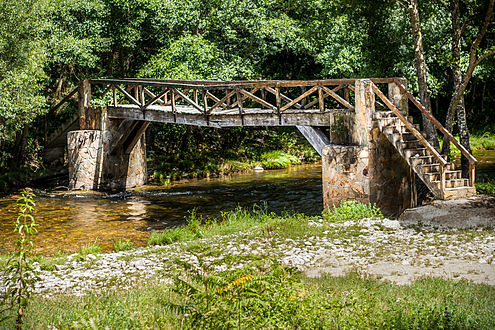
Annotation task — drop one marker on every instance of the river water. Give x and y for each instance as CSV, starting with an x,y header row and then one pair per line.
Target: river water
x,y
69,221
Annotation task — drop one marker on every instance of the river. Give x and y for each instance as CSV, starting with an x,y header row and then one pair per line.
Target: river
x,y
68,221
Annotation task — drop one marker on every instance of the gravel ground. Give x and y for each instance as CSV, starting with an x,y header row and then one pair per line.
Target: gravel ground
x,y
382,249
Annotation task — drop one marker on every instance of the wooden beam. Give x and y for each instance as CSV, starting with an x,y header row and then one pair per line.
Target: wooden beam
x,y
220,102
127,95
64,100
259,100
300,97
338,98
137,133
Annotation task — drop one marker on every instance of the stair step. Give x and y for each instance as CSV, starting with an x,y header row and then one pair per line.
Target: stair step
x,y
454,183
449,175
435,167
412,153
411,144
408,136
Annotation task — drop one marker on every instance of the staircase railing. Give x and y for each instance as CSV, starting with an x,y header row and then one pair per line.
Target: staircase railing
x,y
443,163
445,132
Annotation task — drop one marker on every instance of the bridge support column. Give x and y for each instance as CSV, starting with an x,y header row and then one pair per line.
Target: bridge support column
x,y
105,154
371,170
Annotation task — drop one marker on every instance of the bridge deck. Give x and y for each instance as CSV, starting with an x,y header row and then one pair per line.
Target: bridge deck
x,y
229,118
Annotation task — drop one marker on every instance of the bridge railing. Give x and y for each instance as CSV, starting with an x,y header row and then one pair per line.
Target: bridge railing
x,y
213,97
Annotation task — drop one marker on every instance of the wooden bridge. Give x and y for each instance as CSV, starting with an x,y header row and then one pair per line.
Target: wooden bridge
x,y
338,116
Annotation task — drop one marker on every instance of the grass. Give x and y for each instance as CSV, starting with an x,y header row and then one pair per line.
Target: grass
x,y
352,210
278,159
90,248
478,141
123,245
230,222
275,297
264,294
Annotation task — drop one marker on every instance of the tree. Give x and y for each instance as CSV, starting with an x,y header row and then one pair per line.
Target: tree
x,y
461,80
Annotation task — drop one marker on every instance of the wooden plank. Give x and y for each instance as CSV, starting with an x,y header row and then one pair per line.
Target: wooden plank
x,y
321,101
310,104
243,97
137,133
338,98
114,95
259,100
188,100
250,117
300,97
127,95
435,122
410,126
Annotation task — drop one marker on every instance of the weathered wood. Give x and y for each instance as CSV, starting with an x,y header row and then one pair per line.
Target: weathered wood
x,y
435,122
155,99
223,100
84,99
250,117
136,134
127,95
282,96
338,98
257,99
315,137
188,100
299,98
64,100
409,126
321,101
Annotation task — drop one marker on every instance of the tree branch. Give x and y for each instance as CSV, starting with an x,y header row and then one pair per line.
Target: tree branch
x,y
485,55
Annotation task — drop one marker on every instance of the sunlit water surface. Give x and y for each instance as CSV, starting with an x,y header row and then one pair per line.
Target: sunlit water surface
x,y
69,221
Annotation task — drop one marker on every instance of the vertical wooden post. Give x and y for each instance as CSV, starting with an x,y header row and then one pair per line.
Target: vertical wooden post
x,y
172,100
321,101
239,104
141,95
442,178
114,95
195,95
398,98
472,174
84,100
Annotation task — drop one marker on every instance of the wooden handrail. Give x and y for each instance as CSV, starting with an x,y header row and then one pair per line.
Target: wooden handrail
x,y
406,122
435,122
65,99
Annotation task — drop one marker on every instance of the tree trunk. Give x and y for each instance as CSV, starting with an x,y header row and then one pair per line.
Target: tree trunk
x,y
457,80
474,60
424,93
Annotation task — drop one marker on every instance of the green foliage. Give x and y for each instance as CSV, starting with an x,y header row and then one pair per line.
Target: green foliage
x,y
198,227
22,55
486,186
90,248
123,245
20,276
261,296
351,210
278,159
192,57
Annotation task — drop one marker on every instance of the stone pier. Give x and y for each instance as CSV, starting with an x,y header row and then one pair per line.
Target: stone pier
x,y
368,169
99,154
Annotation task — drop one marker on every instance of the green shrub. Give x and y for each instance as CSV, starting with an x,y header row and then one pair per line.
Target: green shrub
x,y
278,159
352,210
486,187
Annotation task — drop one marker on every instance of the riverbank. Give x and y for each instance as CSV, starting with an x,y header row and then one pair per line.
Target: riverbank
x,y
293,261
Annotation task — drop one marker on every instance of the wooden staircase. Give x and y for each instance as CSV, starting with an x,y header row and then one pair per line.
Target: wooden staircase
x,y
439,175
